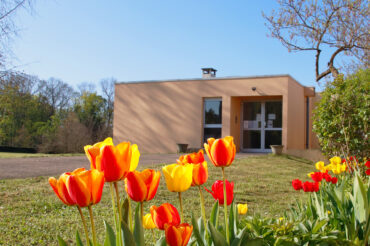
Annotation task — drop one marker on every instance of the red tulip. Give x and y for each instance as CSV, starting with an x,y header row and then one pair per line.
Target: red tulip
x,y
334,180
367,164
310,186
178,235
367,172
297,184
317,176
142,186
221,151
326,176
165,214
218,191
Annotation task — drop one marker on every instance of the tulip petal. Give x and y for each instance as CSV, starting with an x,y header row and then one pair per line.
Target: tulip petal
x,y
97,183
79,188
173,235
220,153
135,155
54,184
153,186
107,163
136,187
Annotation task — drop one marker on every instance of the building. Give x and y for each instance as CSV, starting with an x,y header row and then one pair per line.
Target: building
x,y
257,111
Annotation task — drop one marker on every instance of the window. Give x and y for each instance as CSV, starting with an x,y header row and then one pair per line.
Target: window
x,y
212,118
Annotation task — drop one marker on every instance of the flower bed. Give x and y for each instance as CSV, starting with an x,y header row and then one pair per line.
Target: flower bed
x,y
83,188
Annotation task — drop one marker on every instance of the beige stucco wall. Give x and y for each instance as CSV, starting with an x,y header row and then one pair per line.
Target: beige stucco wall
x,y
157,115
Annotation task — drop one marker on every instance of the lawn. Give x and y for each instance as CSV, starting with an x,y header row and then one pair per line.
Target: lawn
x,y
24,155
31,214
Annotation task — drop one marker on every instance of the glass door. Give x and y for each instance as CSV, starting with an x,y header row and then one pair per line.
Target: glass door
x,y
261,125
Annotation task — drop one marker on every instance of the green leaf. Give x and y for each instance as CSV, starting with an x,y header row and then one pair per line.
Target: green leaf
x,y
217,238
232,222
110,238
319,225
124,210
61,242
360,200
161,242
239,238
214,215
78,239
128,238
138,229
196,231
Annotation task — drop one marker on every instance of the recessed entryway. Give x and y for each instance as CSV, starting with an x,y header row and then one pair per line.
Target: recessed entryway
x,y
261,125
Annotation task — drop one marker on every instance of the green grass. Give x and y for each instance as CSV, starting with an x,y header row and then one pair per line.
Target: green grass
x,y
31,214
24,155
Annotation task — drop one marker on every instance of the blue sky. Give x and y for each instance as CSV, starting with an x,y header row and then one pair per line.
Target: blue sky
x,y
85,41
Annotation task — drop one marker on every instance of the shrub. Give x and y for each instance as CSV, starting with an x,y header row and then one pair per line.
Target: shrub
x,y
341,119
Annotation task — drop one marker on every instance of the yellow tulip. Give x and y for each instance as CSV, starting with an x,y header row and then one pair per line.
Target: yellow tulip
x,y
319,165
242,208
336,160
310,174
148,222
178,177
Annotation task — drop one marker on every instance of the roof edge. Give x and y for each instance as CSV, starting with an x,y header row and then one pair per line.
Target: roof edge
x,y
214,78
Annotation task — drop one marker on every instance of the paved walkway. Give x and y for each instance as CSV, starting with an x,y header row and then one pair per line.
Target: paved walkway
x,y
45,166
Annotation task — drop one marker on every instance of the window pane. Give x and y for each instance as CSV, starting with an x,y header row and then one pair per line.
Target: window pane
x,y
272,138
252,139
212,133
252,115
213,112
273,114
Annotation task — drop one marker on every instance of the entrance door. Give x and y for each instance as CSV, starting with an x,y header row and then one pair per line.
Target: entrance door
x,y
261,125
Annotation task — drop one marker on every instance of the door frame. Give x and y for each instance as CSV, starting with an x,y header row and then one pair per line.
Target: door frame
x,y
263,128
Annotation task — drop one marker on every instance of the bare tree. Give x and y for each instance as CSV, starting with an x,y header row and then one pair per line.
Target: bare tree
x,y
86,87
107,86
340,27
8,29
58,93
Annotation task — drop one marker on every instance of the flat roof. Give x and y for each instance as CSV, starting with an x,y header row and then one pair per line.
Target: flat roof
x,y
211,78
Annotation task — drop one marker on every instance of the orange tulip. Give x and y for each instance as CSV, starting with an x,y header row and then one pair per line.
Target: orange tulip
x,y
60,188
164,214
142,186
221,151
193,158
200,169
178,235
92,151
117,161
86,187
80,187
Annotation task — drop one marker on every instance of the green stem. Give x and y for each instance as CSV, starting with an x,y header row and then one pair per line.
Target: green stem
x,y
142,211
182,213
202,209
92,225
84,223
131,225
115,212
225,206
119,212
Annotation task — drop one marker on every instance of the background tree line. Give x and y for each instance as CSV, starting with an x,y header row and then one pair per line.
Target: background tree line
x,y
50,115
